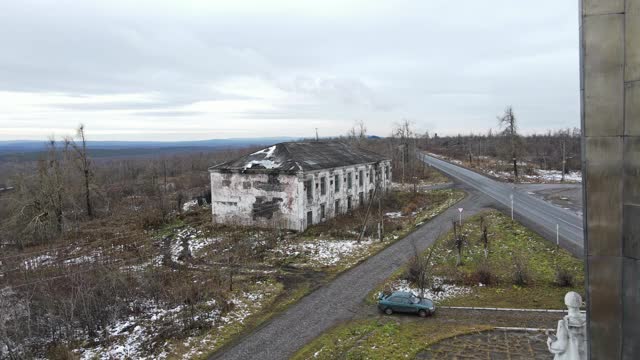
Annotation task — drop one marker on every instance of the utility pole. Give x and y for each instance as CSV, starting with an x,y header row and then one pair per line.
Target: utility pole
x,y
381,223
564,160
403,163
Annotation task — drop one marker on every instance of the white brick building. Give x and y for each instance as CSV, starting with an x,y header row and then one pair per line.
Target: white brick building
x,y
293,185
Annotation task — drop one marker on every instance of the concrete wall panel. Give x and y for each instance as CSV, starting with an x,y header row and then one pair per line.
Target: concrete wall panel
x,y
604,74
605,306
610,67
596,7
632,40
631,301
604,186
632,108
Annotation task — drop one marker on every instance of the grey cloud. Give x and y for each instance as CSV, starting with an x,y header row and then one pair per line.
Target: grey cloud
x,y
432,61
168,113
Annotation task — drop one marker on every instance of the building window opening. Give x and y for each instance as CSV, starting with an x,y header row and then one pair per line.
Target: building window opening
x,y
309,189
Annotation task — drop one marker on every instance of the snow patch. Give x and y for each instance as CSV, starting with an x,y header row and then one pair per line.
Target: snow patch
x,y
326,252
448,290
268,151
393,215
38,261
189,205
266,162
556,175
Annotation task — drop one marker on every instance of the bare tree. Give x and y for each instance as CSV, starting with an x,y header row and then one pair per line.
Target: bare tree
x,y
459,241
85,166
484,238
358,133
508,122
418,271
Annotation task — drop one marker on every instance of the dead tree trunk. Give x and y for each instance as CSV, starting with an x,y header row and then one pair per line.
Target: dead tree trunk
x,y
85,167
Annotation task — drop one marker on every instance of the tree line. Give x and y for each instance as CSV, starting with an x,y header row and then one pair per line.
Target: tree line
x,y
62,192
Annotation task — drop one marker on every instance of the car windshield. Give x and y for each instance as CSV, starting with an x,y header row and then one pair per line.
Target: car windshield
x,y
415,300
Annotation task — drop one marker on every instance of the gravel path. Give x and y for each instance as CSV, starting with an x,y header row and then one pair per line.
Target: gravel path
x,y
341,299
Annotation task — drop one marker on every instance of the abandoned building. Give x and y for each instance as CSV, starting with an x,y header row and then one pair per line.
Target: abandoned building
x,y
296,184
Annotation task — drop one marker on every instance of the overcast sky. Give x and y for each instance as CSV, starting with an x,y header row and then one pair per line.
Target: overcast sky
x,y
186,70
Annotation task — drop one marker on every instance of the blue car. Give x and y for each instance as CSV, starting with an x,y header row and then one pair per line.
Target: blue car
x,y
405,302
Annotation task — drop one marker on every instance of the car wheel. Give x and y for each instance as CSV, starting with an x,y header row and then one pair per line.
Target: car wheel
x,y
388,311
422,313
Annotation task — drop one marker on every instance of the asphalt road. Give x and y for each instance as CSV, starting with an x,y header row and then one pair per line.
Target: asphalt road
x,y
341,299
535,213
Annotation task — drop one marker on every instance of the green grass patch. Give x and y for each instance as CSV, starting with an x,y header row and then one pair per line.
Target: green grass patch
x,y
512,249
381,339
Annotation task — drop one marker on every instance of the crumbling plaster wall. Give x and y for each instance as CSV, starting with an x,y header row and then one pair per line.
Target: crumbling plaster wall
x,y
330,196
280,200
256,199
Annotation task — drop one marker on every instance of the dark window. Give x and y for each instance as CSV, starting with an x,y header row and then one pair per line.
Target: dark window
x,y
370,194
401,300
322,209
386,173
309,189
361,198
337,183
323,185
337,207
371,176
309,218
349,180
348,202
361,178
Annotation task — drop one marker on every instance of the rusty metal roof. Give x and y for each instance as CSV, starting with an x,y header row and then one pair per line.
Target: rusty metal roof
x,y
301,156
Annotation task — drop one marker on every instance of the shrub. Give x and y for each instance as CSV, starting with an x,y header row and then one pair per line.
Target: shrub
x,y
483,275
410,208
521,276
60,352
564,278
529,170
414,270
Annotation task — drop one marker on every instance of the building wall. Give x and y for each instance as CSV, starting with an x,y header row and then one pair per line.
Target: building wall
x,y
278,200
371,174
265,200
610,95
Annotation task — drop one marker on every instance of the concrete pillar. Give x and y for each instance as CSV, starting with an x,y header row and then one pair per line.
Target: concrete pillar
x,y
610,96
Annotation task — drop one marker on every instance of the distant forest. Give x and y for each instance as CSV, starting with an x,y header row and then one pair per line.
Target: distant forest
x,y
545,151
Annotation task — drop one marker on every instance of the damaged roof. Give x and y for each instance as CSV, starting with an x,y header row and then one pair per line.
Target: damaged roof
x,y
302,156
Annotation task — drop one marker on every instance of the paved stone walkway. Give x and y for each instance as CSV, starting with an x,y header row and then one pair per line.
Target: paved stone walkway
x,y
490,345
